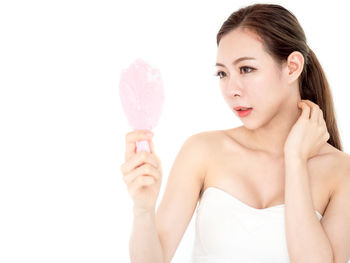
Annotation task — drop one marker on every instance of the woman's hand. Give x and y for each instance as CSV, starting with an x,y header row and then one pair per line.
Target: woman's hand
x,y
309,132
142,172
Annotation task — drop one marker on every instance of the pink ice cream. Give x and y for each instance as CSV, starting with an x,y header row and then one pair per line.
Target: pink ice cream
x,y
142,96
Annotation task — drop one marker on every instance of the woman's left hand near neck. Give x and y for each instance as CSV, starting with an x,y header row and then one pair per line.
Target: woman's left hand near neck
x,y
308,133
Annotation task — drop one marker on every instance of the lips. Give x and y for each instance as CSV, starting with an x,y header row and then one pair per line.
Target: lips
x,y
237,108
243,111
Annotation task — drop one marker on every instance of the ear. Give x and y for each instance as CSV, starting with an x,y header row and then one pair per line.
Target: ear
x,y
295,65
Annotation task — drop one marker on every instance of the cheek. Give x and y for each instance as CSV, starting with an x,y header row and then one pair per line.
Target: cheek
x,y
266,84
259,89
265,93
261,82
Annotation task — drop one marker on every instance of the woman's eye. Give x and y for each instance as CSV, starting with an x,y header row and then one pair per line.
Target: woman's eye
x,y
219,74
246,70
251,69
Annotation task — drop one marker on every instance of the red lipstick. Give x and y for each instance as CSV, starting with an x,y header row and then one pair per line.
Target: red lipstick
x,y
243,111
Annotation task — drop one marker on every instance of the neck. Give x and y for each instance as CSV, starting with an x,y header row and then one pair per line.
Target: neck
x,y
271,137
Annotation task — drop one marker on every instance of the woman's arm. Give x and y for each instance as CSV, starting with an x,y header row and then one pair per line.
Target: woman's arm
x,y
306,239
156,236
144,242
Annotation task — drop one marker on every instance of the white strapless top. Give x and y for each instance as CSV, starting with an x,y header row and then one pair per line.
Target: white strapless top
x,y
228,230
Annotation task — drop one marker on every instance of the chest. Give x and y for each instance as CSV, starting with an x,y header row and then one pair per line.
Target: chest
x,y
259,181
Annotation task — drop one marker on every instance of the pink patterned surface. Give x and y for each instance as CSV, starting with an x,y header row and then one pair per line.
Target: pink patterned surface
x,y
142,95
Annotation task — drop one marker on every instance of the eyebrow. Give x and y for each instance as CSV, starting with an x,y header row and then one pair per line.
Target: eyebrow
x,y
236,61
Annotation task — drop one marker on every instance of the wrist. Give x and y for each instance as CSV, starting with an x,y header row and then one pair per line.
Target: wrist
x,y
139,211
290,156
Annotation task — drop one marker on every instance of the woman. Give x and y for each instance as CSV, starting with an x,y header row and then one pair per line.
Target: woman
x,y
275,189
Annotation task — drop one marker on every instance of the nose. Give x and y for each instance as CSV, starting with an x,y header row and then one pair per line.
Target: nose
x,y
233,87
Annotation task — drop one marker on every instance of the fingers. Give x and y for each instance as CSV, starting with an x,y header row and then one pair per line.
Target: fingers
x,y
139,159
151,145
139,182
305,110
131,138
312,110
144,174
142,168
321,118
316,116
315,112
159,163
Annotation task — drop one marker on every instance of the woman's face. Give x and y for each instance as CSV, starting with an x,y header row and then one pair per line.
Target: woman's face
x,y
256,83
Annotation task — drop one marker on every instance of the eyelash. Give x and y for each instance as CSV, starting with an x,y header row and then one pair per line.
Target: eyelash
x,y
218,73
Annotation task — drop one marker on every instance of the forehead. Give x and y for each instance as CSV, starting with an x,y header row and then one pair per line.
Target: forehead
x,y
240,42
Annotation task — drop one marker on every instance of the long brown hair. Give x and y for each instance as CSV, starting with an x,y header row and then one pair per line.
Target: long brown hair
x,y
282,34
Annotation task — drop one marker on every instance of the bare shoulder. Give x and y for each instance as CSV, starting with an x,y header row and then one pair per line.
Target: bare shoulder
x,y
340,163
205,141
203,146
208,136
343,160
197,147
336,217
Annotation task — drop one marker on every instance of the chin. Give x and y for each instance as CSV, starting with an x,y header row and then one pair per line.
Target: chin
x,y
250,125
253,124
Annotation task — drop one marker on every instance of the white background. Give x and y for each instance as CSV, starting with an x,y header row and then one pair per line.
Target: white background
x,y
62,128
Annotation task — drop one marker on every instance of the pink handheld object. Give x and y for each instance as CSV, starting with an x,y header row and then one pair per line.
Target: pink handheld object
x,y
142,97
